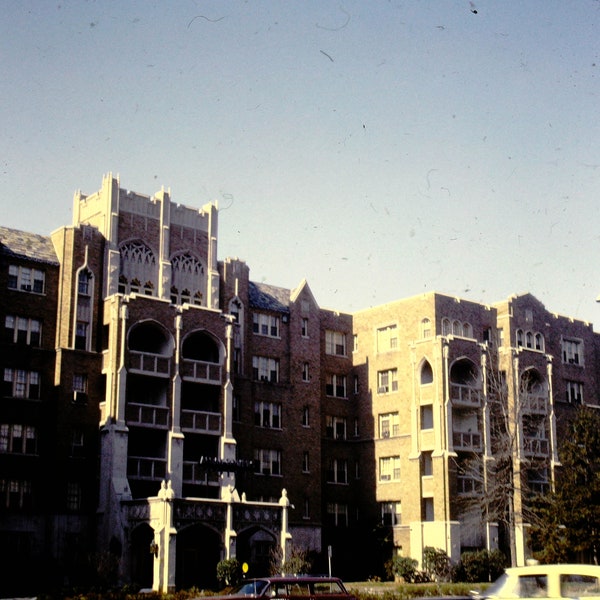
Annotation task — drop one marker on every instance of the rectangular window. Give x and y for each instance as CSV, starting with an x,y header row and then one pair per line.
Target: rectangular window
x,y
21,384
267,414
77,446
389,425
391,513
15,493
387,338
574,392
263,324
387,381
73,496
336,385
337,470
306,417
572,351
267,462
389,468
427,416
26,279
427,464
18,439
427,510
335,343
336,427
337,514
265,369
304,327
22,330
305,372
305,462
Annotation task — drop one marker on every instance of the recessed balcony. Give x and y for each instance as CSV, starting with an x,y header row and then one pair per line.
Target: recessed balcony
x,y
535,403
148,363
195,474
201,371
143,467
536,447
465,395
198,421
145,415
466,440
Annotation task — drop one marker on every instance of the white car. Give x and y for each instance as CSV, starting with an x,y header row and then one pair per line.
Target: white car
x,y
547,581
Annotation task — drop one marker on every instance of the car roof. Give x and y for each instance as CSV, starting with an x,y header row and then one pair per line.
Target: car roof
x,y
561,568
298,578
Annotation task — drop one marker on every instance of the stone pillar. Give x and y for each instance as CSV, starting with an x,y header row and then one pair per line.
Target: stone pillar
x,y
164,544
230,533
286,536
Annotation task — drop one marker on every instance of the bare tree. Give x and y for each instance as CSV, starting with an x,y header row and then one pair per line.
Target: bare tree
x,y
513,464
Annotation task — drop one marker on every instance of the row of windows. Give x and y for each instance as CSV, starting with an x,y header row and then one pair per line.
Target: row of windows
x,y
529,339
22,330
17,494
20,383
268,415
26,279
18,439
389,466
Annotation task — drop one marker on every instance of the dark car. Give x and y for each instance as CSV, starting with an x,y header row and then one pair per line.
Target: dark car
x,y
302,587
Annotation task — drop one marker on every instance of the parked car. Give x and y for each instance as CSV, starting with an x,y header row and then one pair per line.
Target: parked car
x,y
301,587
546,581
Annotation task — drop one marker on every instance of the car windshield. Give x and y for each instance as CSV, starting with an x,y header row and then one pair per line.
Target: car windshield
x,y
252,587
500,587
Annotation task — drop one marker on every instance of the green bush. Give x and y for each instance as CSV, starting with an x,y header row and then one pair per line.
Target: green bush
x,y
480,565
436,564
402,566
229,571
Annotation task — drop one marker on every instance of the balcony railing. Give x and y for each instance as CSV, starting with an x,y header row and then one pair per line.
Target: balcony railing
x,y
535,404
201,421
466,440
142,467
149,364
536,446
467,485
193,473
465,395
201,371
146,415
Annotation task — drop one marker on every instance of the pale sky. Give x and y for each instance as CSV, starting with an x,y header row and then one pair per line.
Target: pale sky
x,y
379,149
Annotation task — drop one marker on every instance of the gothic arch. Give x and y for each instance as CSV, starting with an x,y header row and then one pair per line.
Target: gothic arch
x,y
464,371
202,345
425,372
188,279
138,271
150,336
255,545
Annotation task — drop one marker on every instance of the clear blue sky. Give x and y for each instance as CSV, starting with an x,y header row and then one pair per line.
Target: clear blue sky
x,y
377,148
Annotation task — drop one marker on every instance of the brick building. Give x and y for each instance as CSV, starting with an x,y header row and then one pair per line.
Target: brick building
x,y
161,411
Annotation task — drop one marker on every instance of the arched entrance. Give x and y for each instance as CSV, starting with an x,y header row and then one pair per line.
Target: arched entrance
x,y
198,552
257,547
141,557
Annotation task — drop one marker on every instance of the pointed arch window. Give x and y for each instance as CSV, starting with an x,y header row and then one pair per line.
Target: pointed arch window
x,y
188,281
139,270
83,315
425,328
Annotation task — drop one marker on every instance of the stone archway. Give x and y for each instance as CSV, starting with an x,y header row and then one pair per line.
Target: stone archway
x,y
198,553
256,546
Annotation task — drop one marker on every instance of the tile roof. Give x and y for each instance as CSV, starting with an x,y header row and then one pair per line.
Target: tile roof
x,y
269,297
23,244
